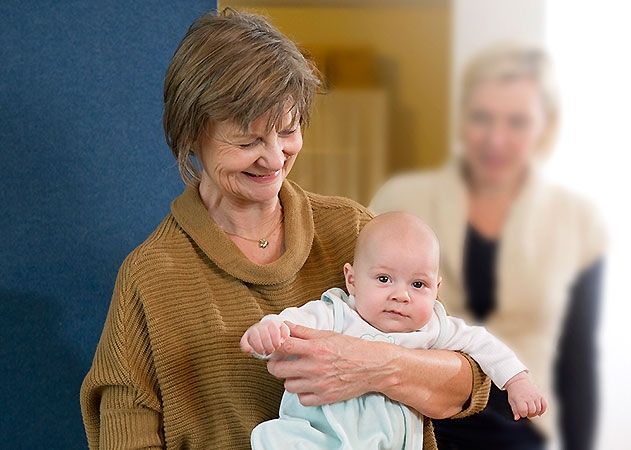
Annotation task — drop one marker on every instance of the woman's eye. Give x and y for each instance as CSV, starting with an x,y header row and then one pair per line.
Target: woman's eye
x,y
518,123
288,132
479,118
418,284
249,144
383,278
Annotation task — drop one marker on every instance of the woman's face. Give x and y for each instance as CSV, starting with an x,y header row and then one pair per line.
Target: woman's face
x,y
249,166
502,127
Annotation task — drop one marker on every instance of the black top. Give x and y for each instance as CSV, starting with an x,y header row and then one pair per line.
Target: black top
x,y
575,374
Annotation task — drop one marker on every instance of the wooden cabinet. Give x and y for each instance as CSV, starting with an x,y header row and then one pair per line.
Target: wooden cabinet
x,y
345,146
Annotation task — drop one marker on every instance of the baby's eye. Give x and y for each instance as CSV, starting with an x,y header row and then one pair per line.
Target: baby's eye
x,y
383,278
418,284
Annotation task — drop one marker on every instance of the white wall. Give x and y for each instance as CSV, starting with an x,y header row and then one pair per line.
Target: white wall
x,y
593,156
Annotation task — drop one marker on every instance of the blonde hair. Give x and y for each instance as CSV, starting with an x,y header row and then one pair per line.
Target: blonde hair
x,y
232,66
509,62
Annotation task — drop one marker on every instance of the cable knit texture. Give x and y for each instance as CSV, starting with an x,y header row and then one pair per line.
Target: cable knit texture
x,y
168,371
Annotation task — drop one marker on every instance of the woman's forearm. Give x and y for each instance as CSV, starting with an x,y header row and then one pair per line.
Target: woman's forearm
x,y
324,367
437,383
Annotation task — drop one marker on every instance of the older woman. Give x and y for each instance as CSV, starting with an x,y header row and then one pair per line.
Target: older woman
x,y
520,254
239,243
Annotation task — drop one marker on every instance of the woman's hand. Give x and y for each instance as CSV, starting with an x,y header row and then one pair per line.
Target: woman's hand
x,y
325,367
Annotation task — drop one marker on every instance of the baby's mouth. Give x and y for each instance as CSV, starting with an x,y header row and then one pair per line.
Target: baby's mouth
x,y
396,313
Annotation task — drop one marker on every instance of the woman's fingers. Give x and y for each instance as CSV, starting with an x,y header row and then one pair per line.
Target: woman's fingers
x,y
301,332
296,347
301,386
329,366
282,366
309,399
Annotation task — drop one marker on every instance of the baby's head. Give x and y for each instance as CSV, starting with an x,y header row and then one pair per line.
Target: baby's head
x,y
394,276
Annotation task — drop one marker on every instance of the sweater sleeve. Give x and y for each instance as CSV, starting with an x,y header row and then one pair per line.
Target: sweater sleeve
x,y
480,388
314,314
119,395
481,385
575,370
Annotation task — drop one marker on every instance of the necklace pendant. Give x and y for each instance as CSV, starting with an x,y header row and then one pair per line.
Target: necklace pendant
x,y
263,243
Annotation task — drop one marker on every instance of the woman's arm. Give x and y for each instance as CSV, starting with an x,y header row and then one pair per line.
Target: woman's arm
x,y
331,367
439,383
575,372
119,399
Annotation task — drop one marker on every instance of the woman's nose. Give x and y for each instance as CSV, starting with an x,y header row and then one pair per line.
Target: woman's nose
x,y
497,136
273,157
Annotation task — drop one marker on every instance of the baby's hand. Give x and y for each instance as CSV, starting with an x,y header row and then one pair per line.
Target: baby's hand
x,y
263,338
524,397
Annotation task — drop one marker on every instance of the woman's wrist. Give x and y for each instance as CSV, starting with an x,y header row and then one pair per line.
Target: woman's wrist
x,y
388,369
437,383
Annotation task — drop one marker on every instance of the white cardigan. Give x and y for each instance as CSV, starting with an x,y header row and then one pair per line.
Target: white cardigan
x,y
549,238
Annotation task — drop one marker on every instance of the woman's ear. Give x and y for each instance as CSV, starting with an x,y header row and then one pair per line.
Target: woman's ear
x,y
350,278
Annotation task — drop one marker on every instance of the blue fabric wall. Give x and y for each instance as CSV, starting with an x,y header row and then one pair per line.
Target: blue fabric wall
x,y
85,175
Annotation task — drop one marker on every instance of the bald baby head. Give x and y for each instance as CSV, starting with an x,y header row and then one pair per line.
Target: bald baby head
x,y
394,277
400,227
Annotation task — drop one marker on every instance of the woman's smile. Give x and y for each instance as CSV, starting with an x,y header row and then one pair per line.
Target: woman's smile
x,y
263,178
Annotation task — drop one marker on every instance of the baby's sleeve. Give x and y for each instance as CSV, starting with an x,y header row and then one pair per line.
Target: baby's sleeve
x,y
314,314
495,358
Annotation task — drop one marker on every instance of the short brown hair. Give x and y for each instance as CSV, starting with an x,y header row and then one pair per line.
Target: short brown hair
x,y
232,66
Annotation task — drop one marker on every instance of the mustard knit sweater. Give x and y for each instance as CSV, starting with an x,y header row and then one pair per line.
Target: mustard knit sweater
x,y
168,371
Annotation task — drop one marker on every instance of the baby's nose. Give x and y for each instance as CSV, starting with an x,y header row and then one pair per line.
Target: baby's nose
x,y
401,295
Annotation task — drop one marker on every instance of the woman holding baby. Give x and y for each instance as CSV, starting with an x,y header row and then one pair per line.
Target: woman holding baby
x,y
241,242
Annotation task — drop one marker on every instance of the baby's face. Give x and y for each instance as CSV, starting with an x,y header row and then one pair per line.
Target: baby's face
x,y
395,282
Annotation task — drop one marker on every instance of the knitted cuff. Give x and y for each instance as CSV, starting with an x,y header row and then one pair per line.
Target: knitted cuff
x,y
480,389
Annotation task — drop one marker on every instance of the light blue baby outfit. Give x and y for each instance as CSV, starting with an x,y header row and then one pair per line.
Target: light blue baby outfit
x,y
371,421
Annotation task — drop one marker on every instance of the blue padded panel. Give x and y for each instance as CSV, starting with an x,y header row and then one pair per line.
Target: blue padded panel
x,y
85,176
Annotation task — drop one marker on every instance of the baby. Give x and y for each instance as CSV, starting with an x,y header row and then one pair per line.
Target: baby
x,y
393,285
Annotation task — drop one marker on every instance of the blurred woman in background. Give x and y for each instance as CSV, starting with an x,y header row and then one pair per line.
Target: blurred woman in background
x,y
520,255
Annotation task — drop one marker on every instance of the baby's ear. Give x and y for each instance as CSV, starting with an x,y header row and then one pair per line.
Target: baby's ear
x,y
350,278
440,280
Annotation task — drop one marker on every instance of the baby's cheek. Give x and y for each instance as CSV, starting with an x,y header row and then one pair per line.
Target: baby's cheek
x,y
426,308
367,312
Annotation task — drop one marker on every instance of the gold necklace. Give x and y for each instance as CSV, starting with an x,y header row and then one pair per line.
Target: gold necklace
x,y
263,241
